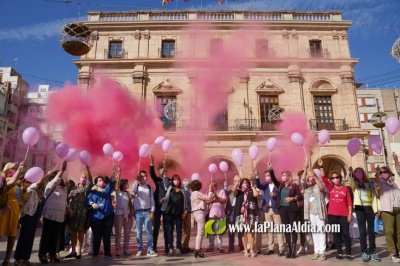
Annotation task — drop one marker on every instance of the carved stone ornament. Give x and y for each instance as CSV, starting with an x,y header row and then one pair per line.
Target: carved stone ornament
x,y
269,87
146,35
322,87
335,35
137,35
285,34
166,88
294,34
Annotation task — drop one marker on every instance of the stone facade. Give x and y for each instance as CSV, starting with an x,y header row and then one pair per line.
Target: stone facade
x,y
308,60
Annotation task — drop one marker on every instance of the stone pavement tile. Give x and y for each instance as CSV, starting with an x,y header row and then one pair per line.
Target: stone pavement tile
x,y
212,259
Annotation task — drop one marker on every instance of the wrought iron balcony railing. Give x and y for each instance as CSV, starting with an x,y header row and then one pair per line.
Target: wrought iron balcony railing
x,y
227,125
319,53
173,53
328,124
115,54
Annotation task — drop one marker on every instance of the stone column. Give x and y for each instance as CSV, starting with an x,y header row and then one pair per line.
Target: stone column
x,y
144,45
138,36
348,98
84,77
294,94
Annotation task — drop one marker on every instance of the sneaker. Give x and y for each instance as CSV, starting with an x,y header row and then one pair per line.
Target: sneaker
x,y
27,263
357,239
18,263
139,253
253,254
349,257
108,256
170,252
269,252
151,253
374,257
178,252
281,253
301,250
315,256
395,258
322,256
365,257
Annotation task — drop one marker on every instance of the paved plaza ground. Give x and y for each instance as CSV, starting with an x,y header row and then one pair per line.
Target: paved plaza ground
x,y
211,259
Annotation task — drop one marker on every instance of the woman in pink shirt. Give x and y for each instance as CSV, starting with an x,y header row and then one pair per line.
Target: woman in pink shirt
x,y
198,202
340,210
217,212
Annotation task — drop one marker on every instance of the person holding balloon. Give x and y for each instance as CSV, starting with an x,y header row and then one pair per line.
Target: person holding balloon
x,y
54,211
286,203
76,224
315,210
340,210
31,210
102,213
365,206
9,206
198,202
389,195
246,211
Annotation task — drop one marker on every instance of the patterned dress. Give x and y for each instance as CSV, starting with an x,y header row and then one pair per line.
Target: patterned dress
x,y
246,208
78,206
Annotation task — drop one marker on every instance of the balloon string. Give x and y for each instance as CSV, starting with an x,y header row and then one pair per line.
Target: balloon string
x,y
138,166
269,160
26,155
351,161
211,178
305,154
151,148
320,152
225,176
241,172
55,167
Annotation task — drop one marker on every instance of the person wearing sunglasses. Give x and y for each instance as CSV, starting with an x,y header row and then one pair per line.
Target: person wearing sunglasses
x,y
389,195
340,210
365,206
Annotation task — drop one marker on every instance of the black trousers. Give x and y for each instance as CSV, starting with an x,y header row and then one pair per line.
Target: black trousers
x,y
156,229
366,215
301,219
170,222
288,216
344,231
50,237
102,230
26,237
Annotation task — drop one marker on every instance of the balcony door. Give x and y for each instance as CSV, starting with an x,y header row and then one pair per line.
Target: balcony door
x,y
323,113
162,101
266,104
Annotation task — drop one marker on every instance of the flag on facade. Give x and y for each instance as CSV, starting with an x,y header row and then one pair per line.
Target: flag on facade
x,y
164,2
220,2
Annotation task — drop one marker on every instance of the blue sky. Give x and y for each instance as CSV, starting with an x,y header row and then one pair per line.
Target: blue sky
x,y
29,31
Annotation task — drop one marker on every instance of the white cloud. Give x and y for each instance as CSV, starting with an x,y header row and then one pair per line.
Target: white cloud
x,y
40,31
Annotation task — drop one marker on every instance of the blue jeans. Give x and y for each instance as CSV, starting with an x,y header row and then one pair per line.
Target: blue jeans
x,y
143,217
171,220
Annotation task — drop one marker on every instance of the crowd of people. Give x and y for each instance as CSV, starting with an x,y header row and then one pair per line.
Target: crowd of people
x,y
95,208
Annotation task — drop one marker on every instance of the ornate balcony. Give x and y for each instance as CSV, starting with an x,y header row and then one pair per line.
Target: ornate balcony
x,y
115,54
328,124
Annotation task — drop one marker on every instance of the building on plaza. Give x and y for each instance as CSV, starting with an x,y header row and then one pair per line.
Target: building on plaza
x,y
301,61
369,102
13,89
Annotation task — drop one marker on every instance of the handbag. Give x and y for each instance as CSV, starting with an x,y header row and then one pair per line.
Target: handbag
x,y
379,226
43,202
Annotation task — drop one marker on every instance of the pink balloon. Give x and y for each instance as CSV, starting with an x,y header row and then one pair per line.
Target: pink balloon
x,y
108,149
353,146
118,156
85,157
318,173
223,166
195,176
30,136
34,174
62,150
253,151
144,150
166,145
212,168
271,143
324,136
237,156
297,139
159,140
72,155
375,143
392,124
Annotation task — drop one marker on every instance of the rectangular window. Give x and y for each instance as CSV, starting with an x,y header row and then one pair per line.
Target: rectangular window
x,y
215,46
41,145
262,48
39,162
266,104
369,101
369,168
115,50
168,49
316,49
168,122
369,117
359,101
323,112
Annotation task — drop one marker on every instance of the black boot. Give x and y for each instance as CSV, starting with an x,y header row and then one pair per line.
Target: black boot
x,y
293,256
289,252
198,253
